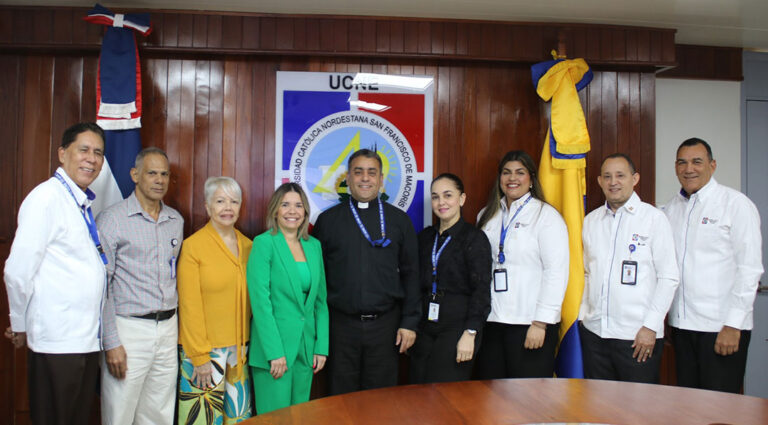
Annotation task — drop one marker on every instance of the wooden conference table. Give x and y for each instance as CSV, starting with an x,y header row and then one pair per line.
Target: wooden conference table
x,y
520,401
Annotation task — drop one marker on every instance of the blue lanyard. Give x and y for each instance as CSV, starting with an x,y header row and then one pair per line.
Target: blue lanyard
x,y
88,220
383,242
504,230
435,258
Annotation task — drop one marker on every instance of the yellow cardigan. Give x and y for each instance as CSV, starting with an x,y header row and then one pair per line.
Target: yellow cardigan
x,y
214,310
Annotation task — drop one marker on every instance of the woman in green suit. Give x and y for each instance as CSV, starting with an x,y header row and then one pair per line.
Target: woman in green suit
x,y
286,284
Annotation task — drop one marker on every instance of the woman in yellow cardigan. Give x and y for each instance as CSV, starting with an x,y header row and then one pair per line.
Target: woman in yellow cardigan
x,y
286,283
214,313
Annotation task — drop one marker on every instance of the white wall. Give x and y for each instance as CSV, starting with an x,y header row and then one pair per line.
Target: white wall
x,y
710,110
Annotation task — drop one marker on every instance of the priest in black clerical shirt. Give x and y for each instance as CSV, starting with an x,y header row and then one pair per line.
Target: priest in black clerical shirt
x,y
371,269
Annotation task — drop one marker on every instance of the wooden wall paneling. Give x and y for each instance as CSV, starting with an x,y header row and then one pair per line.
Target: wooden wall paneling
x,y
632,47
340,32
251,32
36,122
622,113
88,86
313,36
636,148
42,25
62,26
171,142
214,32
232,32
67,90
441,135
10,83
186,30
267,140
410,37
475,40
267,27
216,101
244,125
186,141
593,113
284,34
648,136
488,40
200,143
155,112
229,118
593,43
456,157
383,36
354,37
171,30
22,26
7,351
200,31
618,45
425,37
705,62
6,28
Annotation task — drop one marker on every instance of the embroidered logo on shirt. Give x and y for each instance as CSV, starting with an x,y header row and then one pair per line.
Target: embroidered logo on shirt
x,y
707,220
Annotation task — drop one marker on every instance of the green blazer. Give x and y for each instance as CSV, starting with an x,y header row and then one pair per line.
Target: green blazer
x,y
282,319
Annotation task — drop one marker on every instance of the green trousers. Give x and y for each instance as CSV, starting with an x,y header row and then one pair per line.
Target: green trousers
x,y
291,388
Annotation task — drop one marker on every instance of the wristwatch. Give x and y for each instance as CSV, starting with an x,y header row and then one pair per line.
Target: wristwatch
x,y
472,332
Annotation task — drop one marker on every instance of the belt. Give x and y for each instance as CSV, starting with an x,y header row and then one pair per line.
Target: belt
x,y
368,317
158,316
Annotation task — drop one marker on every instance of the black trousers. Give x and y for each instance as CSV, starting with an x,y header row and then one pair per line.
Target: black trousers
x,y
363,354
433,357
503,354
698,366
61,387
611,359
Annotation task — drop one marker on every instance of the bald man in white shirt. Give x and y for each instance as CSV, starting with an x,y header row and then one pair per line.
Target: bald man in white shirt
x,y
719,250
630,280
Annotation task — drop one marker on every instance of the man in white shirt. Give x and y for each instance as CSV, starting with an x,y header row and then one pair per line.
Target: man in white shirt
x,y
718,242
55,279
630,280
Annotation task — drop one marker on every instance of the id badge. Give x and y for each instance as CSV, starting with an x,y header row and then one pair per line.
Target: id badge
x,y
173,267
434,311
629,272
500,280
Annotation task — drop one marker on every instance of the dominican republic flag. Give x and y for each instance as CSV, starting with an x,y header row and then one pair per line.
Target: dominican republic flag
x,y
118,101
562,175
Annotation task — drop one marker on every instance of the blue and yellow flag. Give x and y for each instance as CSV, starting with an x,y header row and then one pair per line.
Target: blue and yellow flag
x,y
562,174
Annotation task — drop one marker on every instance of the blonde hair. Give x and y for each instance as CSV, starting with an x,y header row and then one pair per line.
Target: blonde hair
x,y
274,205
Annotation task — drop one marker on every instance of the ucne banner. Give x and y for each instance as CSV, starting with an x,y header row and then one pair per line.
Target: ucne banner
x,y
322,118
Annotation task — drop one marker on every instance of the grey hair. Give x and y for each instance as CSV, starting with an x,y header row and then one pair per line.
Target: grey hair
x,y
148,151
227,184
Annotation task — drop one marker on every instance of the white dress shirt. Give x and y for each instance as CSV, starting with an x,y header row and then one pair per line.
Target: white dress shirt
x,y
54,275
610,308
536,251
719,249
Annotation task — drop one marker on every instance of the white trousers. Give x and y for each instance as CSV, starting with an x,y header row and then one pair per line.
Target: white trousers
x,y
147,394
